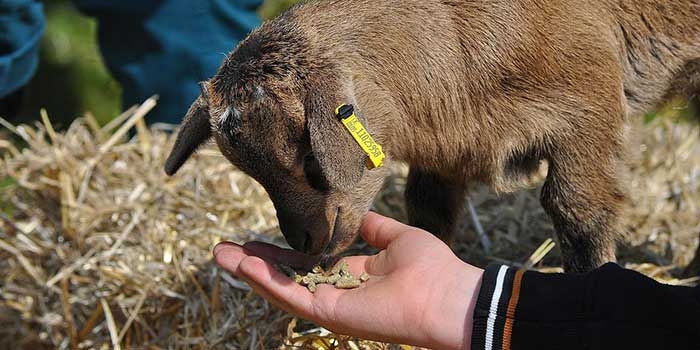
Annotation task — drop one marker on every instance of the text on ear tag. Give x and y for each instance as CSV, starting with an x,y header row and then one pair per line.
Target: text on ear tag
x,y
346,114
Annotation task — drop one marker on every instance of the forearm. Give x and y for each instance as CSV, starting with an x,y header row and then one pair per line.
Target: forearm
x,y
608,308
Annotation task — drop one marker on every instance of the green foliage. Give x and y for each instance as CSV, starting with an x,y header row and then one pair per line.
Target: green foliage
x,y
5,184
677,109
650,117
71,78
272,8
6,208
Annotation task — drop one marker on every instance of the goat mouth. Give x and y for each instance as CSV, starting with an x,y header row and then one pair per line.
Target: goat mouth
x,y
328,254
318,248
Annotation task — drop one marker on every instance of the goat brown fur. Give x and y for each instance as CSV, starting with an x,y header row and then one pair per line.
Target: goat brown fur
x,y
461,91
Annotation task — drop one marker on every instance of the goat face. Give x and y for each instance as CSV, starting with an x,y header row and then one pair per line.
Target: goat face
x,y
295,148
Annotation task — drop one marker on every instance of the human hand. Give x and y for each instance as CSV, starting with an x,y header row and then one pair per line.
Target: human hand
x,y
419,292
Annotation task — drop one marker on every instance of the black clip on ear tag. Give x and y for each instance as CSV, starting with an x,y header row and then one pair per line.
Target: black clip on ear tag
x,y
344,111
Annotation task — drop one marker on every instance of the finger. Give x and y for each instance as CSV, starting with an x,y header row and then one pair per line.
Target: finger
x,y
378,231
232,257
294,259
346,311
380,264
229,256
358,264
288,295
260,291
276,287
279,255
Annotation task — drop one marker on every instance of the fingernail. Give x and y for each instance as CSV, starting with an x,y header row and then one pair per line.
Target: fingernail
x,y
220,246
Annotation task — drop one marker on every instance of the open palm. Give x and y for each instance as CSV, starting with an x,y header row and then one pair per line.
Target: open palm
x,y
419,292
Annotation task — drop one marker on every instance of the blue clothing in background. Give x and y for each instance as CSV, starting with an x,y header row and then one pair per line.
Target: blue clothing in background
x,y
151,47
22,23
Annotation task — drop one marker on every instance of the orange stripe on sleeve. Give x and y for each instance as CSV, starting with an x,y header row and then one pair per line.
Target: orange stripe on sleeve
x,y
510,313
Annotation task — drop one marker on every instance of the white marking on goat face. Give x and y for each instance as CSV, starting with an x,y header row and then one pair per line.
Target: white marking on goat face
x,y
229,119
223,118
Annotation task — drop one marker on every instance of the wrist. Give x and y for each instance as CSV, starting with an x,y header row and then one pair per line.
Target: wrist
x,y
472,286
450,322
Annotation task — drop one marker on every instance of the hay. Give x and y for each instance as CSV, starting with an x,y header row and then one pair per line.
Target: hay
x,y
103,249
99,249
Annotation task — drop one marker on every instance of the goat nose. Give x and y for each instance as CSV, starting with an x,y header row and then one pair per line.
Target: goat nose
x,y
294,232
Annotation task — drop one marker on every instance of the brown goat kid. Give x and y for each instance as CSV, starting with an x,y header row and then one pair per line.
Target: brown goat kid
x,y
461,91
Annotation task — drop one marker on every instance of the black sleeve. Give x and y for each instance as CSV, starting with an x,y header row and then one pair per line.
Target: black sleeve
x,y
608,308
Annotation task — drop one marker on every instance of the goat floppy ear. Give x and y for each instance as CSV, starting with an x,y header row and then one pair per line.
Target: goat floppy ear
x,y
195,130
341,159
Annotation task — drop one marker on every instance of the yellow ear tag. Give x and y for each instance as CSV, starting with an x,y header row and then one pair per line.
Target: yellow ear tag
x,y
346,114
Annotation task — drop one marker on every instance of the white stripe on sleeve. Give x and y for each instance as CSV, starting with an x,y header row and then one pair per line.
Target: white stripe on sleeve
x,y
493,309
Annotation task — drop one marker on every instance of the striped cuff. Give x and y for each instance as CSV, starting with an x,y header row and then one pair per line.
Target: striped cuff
x,y
495,308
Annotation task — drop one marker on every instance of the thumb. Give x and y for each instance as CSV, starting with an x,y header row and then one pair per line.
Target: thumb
x,y
378,231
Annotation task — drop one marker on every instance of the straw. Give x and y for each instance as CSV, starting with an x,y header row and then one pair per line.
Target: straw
x,y
99,249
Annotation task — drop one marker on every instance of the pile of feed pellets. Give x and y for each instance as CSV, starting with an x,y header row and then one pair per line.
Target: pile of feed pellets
x,y
339,276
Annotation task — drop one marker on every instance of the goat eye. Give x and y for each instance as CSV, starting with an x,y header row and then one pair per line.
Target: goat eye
x,y
313,173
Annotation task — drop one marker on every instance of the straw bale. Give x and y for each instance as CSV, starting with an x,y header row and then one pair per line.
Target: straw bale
x,y
99,249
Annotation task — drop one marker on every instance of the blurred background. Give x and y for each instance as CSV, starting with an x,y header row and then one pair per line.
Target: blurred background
x,y
72,78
